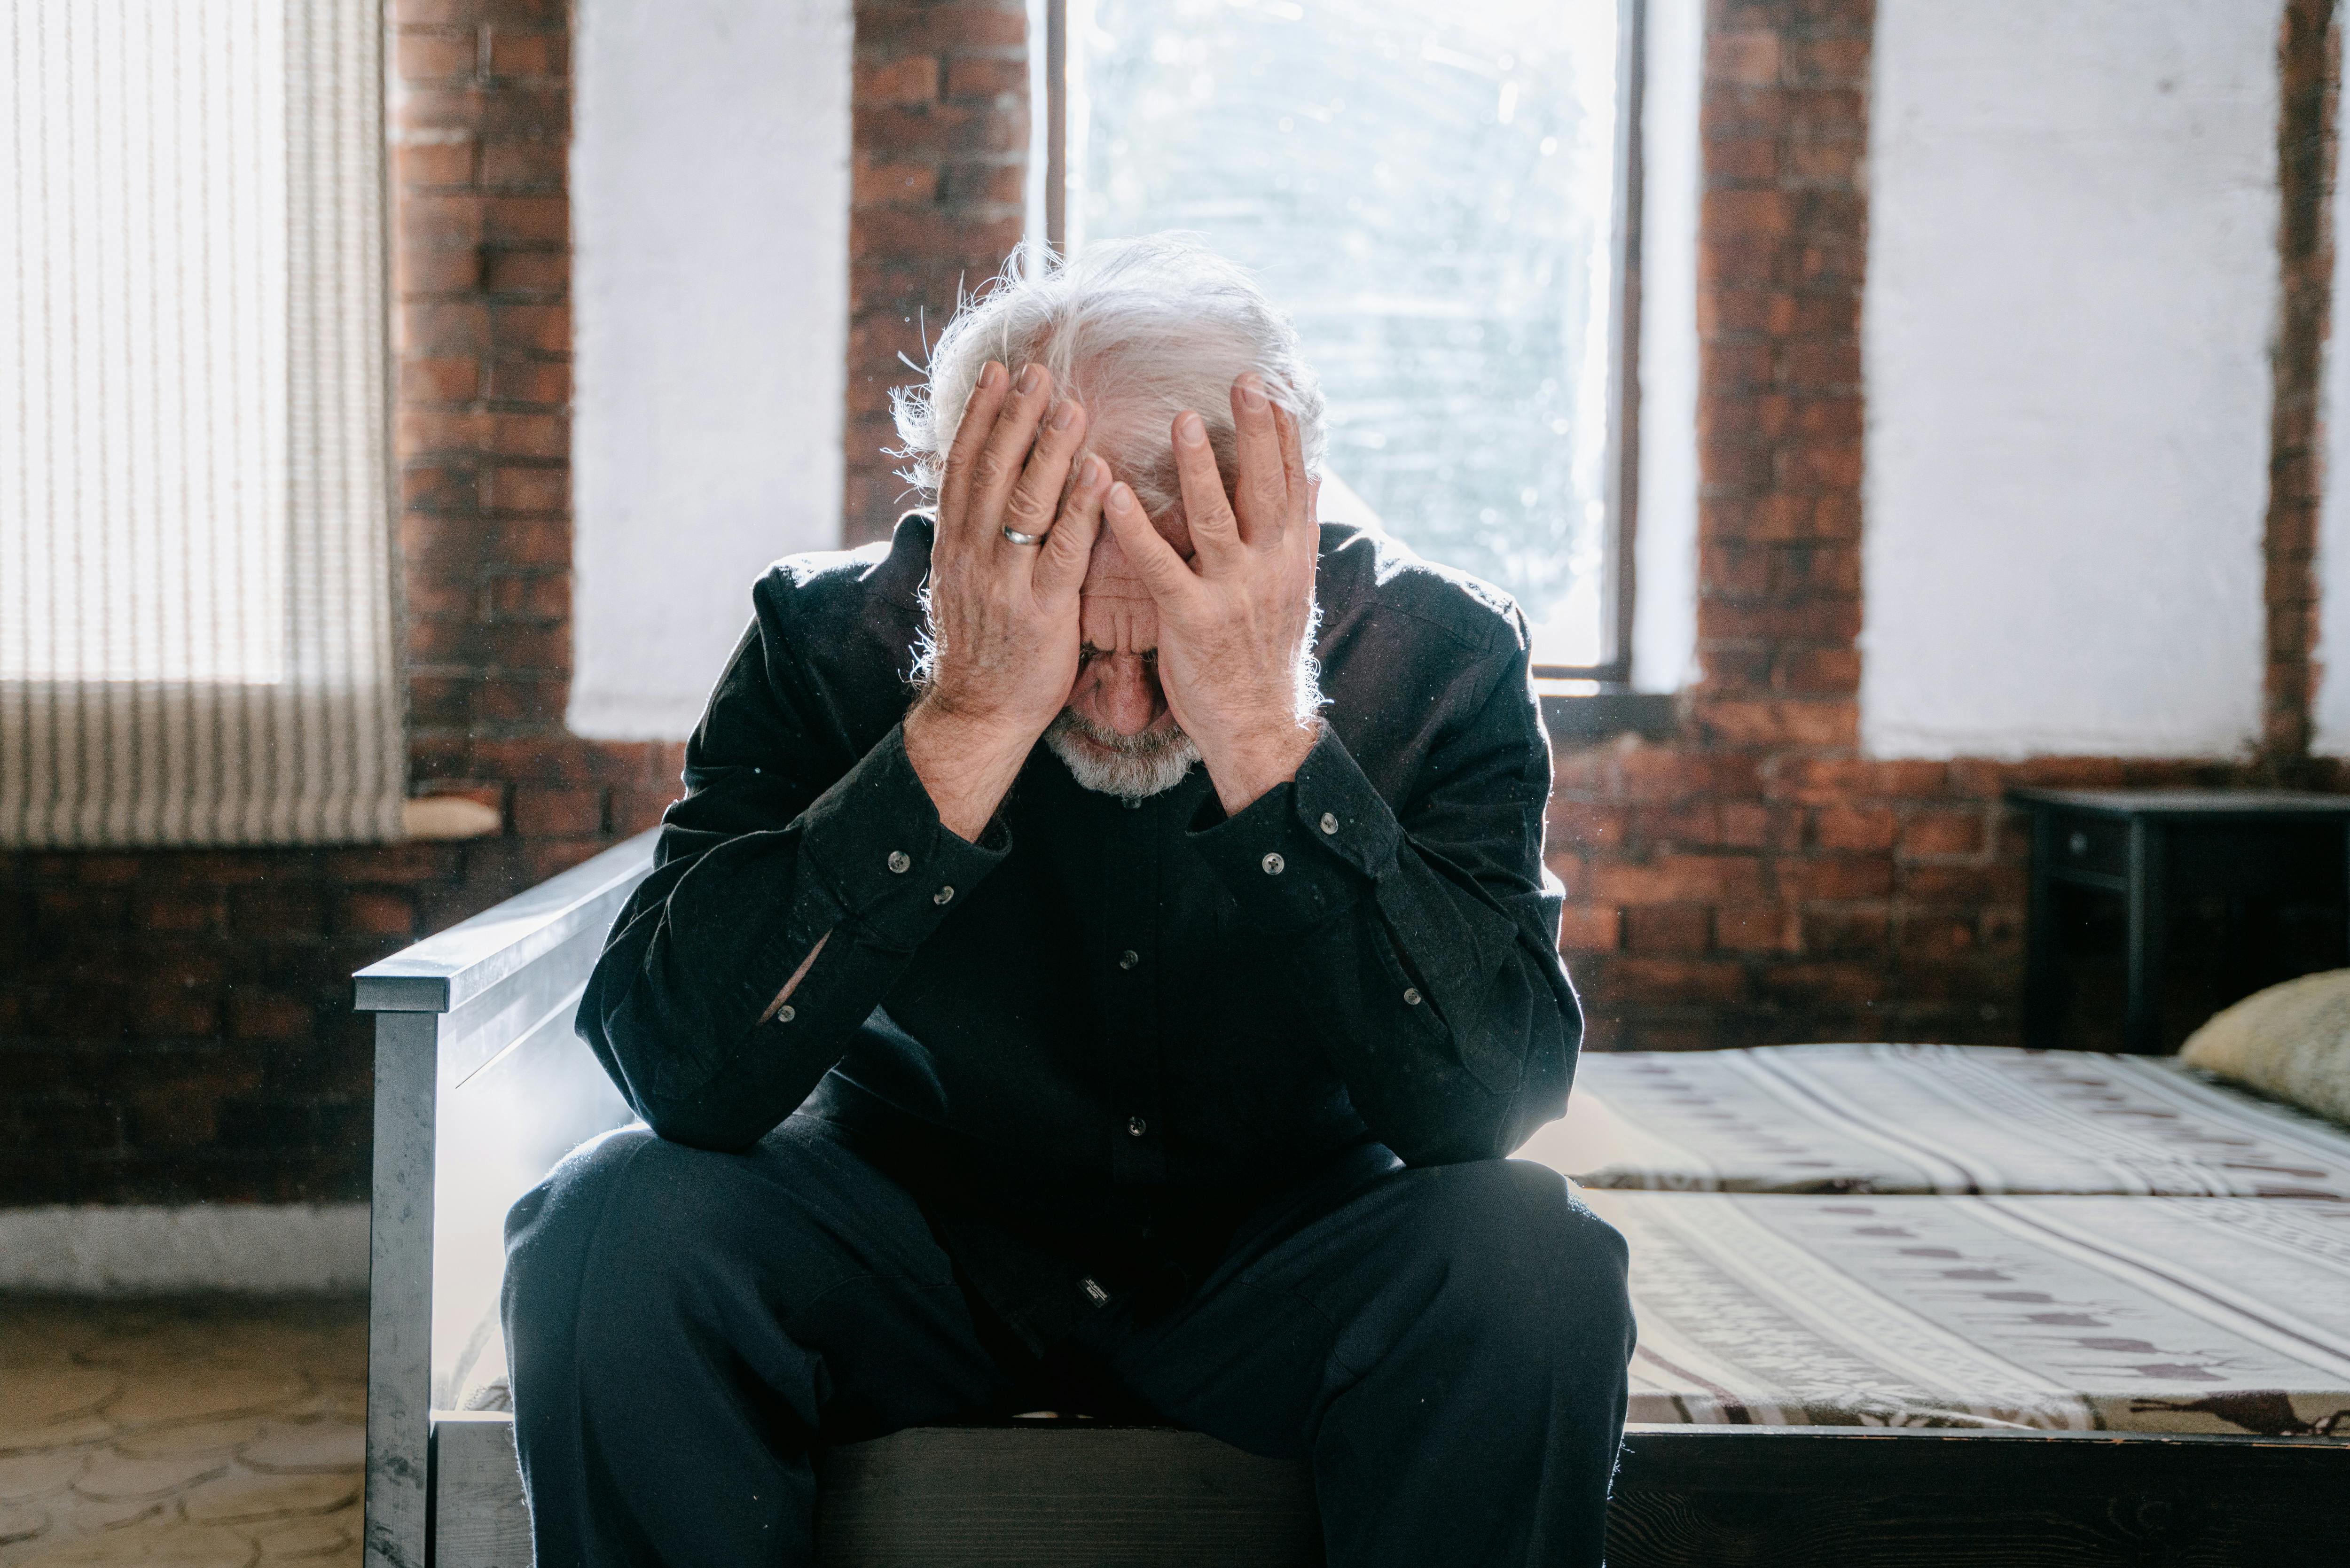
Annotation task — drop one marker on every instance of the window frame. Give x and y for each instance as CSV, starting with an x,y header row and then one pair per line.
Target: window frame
x,y
1621,464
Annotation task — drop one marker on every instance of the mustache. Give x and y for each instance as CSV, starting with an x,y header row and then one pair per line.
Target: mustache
x,y
1149,743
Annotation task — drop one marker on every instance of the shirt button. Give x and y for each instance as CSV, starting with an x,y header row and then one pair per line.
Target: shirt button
x,y
943,896
1329,822
1411,996
786,1013
1129,959
1136,1127
1273,864
900,860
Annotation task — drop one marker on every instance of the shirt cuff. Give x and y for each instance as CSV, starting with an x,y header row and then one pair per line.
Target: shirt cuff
x,y
1304,850
875,840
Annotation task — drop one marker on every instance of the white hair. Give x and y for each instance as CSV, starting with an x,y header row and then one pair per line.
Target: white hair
x,y
1132,767
1137,330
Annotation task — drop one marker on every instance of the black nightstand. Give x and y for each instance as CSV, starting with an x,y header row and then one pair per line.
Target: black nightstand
x,y
2189,898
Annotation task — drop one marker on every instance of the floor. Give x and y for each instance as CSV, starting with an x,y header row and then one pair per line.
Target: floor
x,y
198,1434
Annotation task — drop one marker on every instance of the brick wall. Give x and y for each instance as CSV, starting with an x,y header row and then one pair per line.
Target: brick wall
x,y
1753,879
939,156
176,1026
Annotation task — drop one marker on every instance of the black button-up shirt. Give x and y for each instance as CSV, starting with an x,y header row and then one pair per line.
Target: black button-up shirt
x,y
1092,1040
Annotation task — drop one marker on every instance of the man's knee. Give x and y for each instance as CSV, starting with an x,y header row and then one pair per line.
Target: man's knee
x,y
1531,1263
619,1225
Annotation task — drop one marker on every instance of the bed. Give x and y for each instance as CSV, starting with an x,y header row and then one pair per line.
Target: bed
x,y
1933,1119
1825,1375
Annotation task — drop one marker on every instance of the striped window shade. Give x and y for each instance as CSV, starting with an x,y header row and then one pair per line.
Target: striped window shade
x,y
196,597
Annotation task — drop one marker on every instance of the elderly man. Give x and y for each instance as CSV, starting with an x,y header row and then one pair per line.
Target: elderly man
x,y
1101,961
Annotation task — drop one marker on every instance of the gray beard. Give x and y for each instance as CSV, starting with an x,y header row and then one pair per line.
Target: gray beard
x,y
1135,767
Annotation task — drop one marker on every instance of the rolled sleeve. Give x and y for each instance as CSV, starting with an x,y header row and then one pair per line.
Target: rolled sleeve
x,y
1306,850
876,842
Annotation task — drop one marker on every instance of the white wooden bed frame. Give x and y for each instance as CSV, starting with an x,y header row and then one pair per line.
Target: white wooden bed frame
x,y
481,1086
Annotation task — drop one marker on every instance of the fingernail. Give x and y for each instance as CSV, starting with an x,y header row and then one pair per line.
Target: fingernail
x,y
991,375
1066,416
1089,472
1032,378
1253,397
1121,498
1192,429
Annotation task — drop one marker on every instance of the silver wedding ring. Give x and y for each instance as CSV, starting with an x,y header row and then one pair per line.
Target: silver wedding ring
x,y
1017,537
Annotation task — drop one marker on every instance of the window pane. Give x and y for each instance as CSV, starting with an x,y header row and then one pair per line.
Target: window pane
x,y
1427,186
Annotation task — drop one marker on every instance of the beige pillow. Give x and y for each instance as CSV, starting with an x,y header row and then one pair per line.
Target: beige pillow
x,y
2291,1041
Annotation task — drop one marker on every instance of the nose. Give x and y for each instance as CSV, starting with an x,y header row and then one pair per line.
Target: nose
x,y
1127,699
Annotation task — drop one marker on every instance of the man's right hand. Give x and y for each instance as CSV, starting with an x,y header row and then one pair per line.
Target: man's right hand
x,y
1003,617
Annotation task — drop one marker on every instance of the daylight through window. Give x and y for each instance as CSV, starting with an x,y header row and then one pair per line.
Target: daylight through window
x,y
1429,189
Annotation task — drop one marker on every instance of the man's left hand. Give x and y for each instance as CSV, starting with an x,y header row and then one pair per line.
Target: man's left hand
x,y
1233,621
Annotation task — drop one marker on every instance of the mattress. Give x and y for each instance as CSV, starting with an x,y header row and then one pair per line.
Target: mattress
x,y
1933,1119
2128,1315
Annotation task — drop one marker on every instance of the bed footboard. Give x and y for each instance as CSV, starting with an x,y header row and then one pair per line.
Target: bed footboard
x,y
480,1086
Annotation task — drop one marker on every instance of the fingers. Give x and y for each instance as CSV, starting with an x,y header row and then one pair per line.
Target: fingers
x,y
1061,560
1033,501
1301,489
1265,486
1163,571
979,414
1215,532
1005,454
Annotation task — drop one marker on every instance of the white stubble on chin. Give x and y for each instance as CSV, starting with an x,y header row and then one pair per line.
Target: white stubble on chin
x,y
1133,768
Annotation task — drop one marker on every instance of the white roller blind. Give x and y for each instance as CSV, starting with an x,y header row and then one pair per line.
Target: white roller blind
x,y
196,626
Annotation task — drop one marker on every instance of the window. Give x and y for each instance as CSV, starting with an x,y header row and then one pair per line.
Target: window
x,y
1442,196
196,639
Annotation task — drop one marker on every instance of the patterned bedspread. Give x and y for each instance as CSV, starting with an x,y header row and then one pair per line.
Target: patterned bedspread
x,y
2217,1316
1932,1119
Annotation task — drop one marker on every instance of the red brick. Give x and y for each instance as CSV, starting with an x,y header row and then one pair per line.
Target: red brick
x,y
911,79
526,272
635,810
526,54
1853,827
1743,58
1581,824
913,184
1779,722
534,701
1667,928
435,57
545,596
1679,879
421,163
942,29
1927,834
541,812
1828,781
1963,884
527,220
530,380
517,489
1835,878
255,1014
1755,929
1850,984
1585,928
525,162
1937,936
970,77
441,380
1844,931
1680,982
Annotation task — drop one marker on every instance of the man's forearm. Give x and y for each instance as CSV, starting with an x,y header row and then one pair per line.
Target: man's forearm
x,y
966,763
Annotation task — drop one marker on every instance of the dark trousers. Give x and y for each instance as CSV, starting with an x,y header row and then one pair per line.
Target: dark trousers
x,y
1446,1346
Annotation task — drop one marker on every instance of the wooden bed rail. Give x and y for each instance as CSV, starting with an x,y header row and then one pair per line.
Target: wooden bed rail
x,y
480,1086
